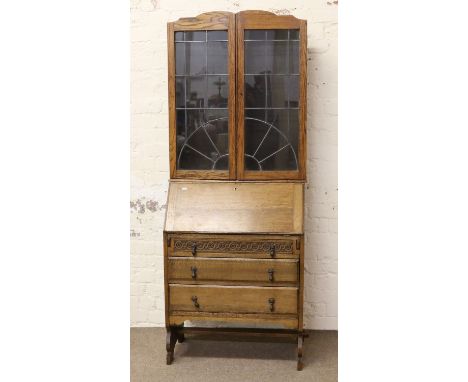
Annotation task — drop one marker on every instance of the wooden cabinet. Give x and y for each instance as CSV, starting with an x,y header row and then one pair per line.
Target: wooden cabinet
x,y
233,233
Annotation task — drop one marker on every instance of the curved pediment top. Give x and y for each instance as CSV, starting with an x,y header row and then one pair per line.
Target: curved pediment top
x,y
212,20
256,12
222,19
262,14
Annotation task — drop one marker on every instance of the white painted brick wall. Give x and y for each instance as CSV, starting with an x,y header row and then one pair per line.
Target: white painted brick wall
x,y
150,157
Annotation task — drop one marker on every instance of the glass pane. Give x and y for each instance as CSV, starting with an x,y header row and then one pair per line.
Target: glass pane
x,y
284,159
217,129
206,141
180,58
253,34
259,114
294,57
287,123
255,91
180,128
217,57
196,92
217,35
277,34
271,100
179,36
276,56
279,119
195,36
218,91
293,130
294,34
293,88
277,91
200,141
180,91
278,123
255,131
191,159
195,53
195,118
254,57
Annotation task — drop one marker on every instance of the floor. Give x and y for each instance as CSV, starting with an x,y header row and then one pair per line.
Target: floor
x,y
217,360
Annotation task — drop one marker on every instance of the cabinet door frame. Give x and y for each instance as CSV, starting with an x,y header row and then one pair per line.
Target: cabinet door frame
x,y
210,21
268,20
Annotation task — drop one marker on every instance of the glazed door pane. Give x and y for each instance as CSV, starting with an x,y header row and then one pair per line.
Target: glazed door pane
x,y
201,100
271,100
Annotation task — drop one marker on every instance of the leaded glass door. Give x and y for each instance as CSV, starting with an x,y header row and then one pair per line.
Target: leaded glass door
x,y
237,96
202,96
271,61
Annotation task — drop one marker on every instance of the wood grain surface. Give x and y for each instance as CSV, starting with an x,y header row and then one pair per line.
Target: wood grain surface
x,y
235,207
232,299
266,272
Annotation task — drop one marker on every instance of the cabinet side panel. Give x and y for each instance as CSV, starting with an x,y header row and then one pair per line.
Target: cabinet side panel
x,y
300,300
166,288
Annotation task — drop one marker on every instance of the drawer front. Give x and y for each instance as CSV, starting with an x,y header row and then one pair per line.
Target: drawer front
x,y
236,270
234,246
232,299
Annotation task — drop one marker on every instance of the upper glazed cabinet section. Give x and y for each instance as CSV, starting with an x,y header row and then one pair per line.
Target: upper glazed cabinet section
x,y
237,96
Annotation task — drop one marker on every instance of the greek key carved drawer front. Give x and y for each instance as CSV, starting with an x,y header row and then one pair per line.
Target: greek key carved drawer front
x,y
257,247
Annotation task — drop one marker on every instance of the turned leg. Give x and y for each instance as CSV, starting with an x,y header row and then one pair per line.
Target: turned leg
x,y
171,339
300,342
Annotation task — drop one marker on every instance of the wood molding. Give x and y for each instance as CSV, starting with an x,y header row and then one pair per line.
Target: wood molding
x,y
210,20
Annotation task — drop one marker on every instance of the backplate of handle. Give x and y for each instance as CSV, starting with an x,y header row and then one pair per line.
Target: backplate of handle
x,y
195,301
272,250
194,272
270,274
194,249
271,301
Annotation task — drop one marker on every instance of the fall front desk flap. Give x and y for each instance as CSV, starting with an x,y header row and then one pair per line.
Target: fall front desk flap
x,y
235,207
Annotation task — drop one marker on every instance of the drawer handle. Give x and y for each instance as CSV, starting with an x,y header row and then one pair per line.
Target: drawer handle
x,y
272,250
271,301
194,249
194,272
195,301
270,274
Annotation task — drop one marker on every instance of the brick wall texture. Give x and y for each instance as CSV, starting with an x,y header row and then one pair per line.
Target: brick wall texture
x,y
150,156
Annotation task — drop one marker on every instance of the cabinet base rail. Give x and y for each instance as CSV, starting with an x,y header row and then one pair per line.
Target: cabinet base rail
x,y
177,334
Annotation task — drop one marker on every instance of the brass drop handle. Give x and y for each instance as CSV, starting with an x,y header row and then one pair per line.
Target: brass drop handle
x,y
194,249
195,301
270,274
194,272
271,301
272,250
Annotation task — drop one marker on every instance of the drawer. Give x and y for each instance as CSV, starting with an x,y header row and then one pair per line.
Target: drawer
x,y
277,247
183,269
232,299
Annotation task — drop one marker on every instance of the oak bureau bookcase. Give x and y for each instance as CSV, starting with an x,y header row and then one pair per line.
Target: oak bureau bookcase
x,y
233,235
